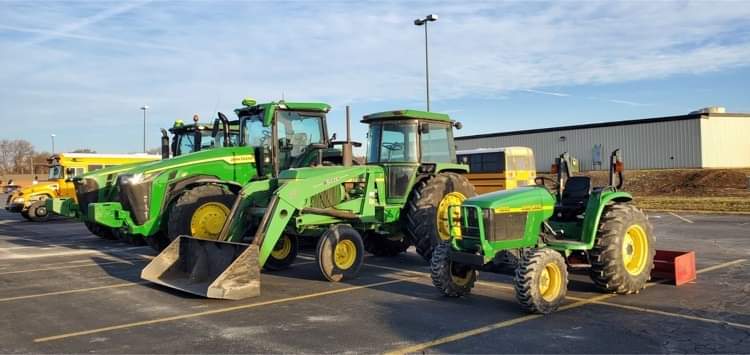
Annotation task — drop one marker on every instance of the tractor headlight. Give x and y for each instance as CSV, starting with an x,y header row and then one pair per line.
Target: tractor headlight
x,y
135,194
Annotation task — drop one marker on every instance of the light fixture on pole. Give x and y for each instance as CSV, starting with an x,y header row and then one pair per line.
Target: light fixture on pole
x,y
144,108
53,142
423,22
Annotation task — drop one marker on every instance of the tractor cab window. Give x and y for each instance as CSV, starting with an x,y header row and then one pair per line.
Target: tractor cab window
x,y
256,135
392,142
56,172
296,132
435,146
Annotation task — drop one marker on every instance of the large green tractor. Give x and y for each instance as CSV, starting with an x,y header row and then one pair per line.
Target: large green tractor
x,y
538,233
193,193
400,197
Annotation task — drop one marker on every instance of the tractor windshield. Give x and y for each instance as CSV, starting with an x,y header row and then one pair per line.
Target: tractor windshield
x,y
392,142
296,132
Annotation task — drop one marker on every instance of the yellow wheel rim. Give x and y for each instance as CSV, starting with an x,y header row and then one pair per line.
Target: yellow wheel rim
x,y
550,282
283,248
208,220
451,199
635,249
345,254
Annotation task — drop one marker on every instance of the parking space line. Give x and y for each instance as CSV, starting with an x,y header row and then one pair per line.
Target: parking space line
x,y
57,293
216,311
66,267
721,266
680,217
507,323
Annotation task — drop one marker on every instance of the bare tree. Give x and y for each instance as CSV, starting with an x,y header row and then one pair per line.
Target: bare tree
x,y
16,156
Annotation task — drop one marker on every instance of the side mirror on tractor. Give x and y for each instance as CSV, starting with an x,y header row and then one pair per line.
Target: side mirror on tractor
x,y
164,144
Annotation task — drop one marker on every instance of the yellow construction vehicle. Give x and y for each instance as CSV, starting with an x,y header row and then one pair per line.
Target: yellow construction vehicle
x,y
31,200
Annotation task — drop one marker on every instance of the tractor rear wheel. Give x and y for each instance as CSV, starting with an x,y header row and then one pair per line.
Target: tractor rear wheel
x,y
426,216
381,245
38,211
452,279
541,280
340,253
623,255
200,212
283,254
99,231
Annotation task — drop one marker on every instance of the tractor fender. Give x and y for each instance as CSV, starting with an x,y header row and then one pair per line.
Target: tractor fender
x,y
594,212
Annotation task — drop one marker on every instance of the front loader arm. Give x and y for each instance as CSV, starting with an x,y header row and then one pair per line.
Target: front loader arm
x,y
294,198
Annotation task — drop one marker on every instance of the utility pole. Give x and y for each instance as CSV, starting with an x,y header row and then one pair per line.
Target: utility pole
x,y
144,108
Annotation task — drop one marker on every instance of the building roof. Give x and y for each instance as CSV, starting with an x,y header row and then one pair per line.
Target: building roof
x,y
691,116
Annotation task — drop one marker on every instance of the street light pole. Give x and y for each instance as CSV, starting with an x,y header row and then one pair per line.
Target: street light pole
x,y
53,142
144,108
423,22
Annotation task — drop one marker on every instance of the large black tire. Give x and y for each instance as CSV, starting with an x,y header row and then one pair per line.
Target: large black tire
x,y
99,230
381,245
344,264
452,279
182,212
421,211
38,211
284,253
25,215
541,280
620,263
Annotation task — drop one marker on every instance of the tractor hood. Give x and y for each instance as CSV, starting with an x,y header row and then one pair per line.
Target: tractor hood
x,y
534,197
231,155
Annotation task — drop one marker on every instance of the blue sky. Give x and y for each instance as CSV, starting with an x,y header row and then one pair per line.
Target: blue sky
x,y
82,69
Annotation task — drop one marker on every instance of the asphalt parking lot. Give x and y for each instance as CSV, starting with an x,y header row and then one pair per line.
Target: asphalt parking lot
x,y
66,291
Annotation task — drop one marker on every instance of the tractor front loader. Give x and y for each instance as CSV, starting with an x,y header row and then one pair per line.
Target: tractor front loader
x,y
403,192
538,233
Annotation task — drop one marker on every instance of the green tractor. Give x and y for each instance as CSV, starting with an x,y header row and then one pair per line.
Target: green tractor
x,y
186,138
399,198
538,233
193,193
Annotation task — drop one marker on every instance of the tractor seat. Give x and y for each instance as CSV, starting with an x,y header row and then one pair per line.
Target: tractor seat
x,y
574,197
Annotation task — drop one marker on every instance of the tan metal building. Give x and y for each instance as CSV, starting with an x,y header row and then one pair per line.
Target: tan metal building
x,y
708,138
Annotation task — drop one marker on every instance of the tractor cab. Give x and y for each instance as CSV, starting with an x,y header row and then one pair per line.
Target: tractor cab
x,y
407,143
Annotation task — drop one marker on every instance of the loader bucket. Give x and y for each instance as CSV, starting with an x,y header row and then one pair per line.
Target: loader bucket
x,y
207,268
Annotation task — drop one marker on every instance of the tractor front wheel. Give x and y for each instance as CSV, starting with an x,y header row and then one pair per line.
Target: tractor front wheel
x,y
452,279
623,255
200,212
283,254
427,211
340,253
541,280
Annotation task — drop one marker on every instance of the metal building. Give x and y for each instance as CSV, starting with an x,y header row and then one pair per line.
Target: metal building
x,y
708,138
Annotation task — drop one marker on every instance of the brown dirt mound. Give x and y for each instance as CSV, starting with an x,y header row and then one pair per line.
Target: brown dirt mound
x,y
683,182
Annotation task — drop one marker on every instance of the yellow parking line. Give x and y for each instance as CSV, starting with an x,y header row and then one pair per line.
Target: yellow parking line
x,y
507,323
488,328
721,266
215,311
56,293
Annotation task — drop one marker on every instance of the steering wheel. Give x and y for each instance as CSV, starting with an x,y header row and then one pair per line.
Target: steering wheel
x,y
393,146
543,181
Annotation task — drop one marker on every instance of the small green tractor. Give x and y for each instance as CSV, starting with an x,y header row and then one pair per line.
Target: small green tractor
x,y
399,198
539,232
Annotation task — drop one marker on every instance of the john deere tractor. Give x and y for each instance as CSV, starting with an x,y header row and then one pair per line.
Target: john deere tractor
x,y
540,232
193,193
400,197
